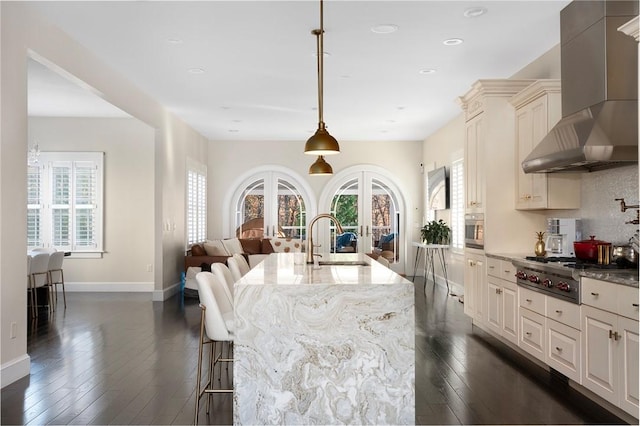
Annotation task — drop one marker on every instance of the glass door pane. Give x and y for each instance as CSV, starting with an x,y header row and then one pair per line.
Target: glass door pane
x,y
250,211
345,207
291,214
383,221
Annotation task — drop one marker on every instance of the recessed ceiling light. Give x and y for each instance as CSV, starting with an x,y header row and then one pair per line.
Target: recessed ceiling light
x,y
196,71
452,41
474,12
400,108
391,121
174,41
384,28
427,71
237,121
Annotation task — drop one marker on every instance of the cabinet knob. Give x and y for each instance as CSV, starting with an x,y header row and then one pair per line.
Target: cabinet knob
x,y
559,349
635,305
595,294
528,300
614,335
558,311
528,333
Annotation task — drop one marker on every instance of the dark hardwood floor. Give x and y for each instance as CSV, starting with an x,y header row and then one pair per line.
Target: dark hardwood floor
x,y
121,359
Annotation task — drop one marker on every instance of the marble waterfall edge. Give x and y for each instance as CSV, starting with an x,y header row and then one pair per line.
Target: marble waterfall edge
x,y
324,354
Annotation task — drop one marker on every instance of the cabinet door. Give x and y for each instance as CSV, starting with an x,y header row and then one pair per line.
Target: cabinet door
x,y
469,286
480,289
599,373
524,145
628,364
510,313
539,130
474,166
494,305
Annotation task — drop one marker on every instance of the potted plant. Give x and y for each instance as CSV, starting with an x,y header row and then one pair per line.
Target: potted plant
x,y
436,232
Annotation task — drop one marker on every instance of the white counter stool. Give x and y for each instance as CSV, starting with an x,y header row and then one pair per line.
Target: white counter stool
x,y
222,272
238,266
39,277
56,275
216,325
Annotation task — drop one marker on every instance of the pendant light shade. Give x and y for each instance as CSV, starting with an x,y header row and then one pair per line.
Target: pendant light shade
x,y
320,167
321,143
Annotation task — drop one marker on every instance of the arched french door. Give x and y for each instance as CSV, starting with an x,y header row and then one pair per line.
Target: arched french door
x,y
270,203
368,204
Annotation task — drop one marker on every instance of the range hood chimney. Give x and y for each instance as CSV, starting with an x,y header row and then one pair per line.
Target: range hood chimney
x,y
599,76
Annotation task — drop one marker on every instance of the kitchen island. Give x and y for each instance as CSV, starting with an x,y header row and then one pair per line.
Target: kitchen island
x,y
327,345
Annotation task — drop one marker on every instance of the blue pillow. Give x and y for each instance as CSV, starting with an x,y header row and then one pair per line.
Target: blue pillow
x,y
386,239
345,239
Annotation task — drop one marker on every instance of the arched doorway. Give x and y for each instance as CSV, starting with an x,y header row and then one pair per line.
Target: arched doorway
x,y
370,205
270,201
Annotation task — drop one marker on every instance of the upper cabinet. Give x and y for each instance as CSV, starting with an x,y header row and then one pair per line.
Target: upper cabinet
x,y
486,108
538,109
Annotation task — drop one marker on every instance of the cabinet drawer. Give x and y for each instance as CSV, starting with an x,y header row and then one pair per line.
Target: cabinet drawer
x,y
532,328
563,349
628,302
564,312
532,301
508,271
493,267
600,294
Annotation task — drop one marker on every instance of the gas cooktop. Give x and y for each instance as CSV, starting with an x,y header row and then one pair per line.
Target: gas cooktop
x,y
575,263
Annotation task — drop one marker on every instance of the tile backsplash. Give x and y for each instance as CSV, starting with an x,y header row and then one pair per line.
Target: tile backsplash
x,y
601,215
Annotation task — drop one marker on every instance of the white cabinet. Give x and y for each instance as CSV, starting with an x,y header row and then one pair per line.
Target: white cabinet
x,y
474,286
538,109
474,166
564,338
610,343
488,126
502,299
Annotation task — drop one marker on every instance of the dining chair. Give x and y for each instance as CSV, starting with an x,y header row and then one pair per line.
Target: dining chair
x,y
56,275
238,266
216,326
223,273
39,277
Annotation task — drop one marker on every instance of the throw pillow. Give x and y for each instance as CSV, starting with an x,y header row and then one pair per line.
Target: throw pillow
x,y
198,250
232,246
267,248
251,245
286,245
215,248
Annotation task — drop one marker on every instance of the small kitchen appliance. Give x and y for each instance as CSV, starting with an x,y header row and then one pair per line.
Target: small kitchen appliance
x,y
561,234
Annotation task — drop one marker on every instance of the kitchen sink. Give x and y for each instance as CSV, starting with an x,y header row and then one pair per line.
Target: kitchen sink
x,y
342,263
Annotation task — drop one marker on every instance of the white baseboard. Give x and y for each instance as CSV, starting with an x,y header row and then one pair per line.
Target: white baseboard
x,y
124,287
164,294
15,370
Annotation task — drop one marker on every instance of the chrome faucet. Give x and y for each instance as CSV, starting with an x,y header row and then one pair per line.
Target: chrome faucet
x,y
310,245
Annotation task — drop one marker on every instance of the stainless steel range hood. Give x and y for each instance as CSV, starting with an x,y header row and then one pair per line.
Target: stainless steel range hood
x,y
599,76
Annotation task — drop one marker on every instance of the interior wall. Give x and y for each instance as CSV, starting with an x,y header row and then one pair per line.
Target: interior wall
x,y
24,34
128,145
230,160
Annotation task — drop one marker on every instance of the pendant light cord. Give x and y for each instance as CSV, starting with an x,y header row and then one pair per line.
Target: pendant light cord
x,y
320,45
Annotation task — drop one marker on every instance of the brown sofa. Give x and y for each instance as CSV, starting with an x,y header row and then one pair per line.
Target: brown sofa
x,y
197,255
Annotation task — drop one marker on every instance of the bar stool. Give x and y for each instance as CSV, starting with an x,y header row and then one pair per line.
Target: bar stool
x,y
216,326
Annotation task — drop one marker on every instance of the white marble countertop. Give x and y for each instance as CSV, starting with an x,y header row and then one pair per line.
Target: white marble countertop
x,y
283,269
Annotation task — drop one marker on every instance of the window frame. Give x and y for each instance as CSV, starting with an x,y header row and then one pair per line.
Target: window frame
x,y
76,200
195,208
457,204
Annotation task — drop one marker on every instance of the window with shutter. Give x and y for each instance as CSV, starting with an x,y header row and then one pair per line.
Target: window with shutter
x,y
196,214
65,202
457,205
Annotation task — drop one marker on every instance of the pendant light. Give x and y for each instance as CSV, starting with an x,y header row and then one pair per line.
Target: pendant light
x,y
320,167
321,143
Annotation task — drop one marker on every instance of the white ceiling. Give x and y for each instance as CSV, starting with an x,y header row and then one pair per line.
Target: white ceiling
x,y
259,80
